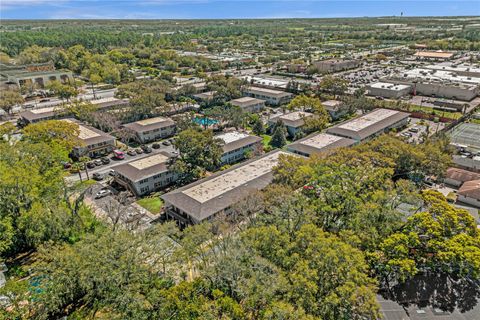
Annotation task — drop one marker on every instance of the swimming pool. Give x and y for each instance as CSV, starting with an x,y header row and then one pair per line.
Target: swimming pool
x,y
205,121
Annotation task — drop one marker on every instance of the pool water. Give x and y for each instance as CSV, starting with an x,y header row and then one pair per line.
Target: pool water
x,y
205,121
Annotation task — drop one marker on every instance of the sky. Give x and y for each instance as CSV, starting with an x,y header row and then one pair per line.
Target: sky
x,y
218,9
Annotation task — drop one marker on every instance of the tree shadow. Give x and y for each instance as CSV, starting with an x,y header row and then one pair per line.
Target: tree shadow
x,y
439,291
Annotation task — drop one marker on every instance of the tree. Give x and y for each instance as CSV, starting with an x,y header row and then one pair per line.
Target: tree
x,y
279,135
334,85
58,132
258,127
8,99
63,91
199,151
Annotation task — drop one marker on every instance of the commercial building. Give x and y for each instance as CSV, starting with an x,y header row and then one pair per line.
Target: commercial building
x,y
460,69
266,82
293,121
469,193
209,197
389,90
152,129
145,175
272,97
94,143
439,83
334,108
36,74
249,104
317,143
335,65
434,55
370,125
237,145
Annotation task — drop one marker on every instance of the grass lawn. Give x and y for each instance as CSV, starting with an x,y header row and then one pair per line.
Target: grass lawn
x,y
152,204
266,139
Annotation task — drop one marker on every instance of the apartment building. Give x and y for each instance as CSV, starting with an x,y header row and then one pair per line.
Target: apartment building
x,y
152,129
270,96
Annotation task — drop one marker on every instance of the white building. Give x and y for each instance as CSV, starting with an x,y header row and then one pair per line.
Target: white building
x,y
272,97
249,104
145,175
94,143
237,144
370,125
388,90
152,129
318,143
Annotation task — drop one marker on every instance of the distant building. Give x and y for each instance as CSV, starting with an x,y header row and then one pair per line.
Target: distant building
x,y
205,96
209,197
389,90
39,74
336,65
236,144
434,55
317,143
145,175
334,108
249,104
370,125
469,193
152,129
456,177
272,97
94,143
293,121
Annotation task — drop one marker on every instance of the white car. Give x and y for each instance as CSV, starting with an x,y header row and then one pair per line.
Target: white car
x,y
102,193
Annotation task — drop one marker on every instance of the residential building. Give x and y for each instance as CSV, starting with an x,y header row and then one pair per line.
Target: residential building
x,y
215,195
237,144
249,104
389,90
336,65
205,96
145,175
94,143
371,124
335,108
293,121
456,177
469,193
152,129
272,97
318,143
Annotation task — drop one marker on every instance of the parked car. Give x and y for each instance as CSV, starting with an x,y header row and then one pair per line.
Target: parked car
x,y
98,162
105,160
147,149
44,100
97,176
111,172
413,129
131,152
139,150
166,143
156,146
90,165
102,193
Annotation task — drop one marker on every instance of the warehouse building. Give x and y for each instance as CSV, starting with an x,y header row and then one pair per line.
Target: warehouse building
x,y
272,97
389,90
335,65
439,83
236,145
370,125
317,143
460,69
152,129
434,55
94,143
145,175
249,104
293,121
209,197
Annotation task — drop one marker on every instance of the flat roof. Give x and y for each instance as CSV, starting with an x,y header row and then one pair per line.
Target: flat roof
x,y
143,168
150,124
319,142
390,86
434,54
85,132
235,140
266,91
293,119
438,76
271,82
208,196
43,110
90,135
246,101
368,124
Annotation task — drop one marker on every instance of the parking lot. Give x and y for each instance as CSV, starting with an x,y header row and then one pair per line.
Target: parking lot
x,y
417,130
